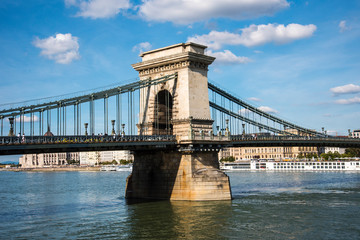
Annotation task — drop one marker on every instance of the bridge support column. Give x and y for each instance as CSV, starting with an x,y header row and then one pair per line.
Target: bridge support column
x,y
193,176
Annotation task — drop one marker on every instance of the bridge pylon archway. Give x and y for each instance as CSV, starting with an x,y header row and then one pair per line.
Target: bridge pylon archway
x,y
163,113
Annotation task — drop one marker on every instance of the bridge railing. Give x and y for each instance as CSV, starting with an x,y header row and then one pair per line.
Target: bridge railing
x,y
28,140
12,140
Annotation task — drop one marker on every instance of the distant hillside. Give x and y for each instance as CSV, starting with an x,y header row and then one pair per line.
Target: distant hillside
x,y
10,158
9,163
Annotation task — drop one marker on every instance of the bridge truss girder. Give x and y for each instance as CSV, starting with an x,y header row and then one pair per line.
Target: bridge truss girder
x,y
237,101
84,98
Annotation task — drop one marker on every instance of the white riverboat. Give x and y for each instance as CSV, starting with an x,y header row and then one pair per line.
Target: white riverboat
x,y
292,165
235,166
117,168
122,168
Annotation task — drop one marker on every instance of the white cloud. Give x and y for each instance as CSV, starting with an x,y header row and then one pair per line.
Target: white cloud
x,y
98,8
189,11
349,88
254,99
267,109
354,100
27,119
255,35
227,57
342,26
142,47
332,132
63,48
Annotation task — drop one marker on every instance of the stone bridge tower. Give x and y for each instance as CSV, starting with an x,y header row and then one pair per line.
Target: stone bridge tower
x,y
170,107
177,107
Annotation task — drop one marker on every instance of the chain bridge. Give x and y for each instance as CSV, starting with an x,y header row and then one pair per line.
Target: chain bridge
x,y
172,118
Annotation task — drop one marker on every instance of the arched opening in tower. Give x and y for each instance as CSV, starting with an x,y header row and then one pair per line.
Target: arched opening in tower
x,y
163,113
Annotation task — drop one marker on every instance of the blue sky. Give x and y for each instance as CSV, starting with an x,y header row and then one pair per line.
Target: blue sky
x,y
297,59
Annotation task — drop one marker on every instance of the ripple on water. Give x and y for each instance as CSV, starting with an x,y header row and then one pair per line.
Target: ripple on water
x,y
265,206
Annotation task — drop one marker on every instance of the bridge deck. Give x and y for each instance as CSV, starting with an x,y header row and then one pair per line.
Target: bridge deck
x,y
53,144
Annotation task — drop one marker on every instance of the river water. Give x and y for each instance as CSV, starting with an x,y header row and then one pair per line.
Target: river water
x,y
266,205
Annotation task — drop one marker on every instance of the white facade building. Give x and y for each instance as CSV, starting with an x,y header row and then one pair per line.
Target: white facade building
x,y
94,158
46,159
332,149
355,134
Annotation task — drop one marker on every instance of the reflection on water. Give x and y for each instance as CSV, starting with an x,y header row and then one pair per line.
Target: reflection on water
x,y
266,205
178,219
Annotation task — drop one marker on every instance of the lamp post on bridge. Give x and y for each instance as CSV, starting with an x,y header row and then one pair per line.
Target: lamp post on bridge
x,y
11,132
123,130
86,126
113,127
243,126
227,130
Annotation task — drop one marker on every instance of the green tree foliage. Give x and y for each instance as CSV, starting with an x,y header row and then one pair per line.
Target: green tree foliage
x,y
307,156
125,162
227,159
73,162
113,162
352,152
311,156
325,156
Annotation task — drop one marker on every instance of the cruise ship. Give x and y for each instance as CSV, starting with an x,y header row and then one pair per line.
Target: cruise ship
x,y
118,168
292,165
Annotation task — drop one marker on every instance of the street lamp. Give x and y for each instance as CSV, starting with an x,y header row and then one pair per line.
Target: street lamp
x,y
11,132
227,131
86,126
123,129
113,127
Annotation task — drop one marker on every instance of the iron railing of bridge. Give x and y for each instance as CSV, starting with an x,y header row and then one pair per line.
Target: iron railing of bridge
x,y
12,140
57,144
129,142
